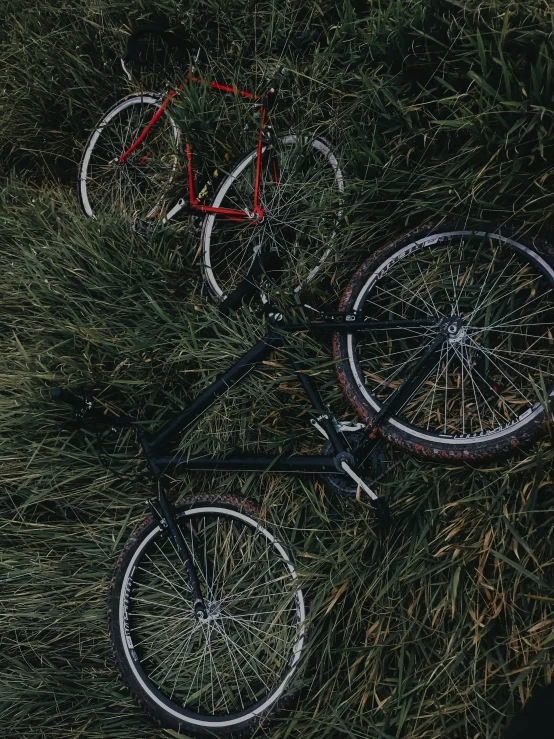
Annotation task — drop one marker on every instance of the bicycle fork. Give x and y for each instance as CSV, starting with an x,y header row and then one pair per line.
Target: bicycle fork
x,y
163,514
449,327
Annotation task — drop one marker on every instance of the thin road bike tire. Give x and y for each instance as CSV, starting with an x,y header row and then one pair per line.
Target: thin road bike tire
x,y
222,675
301,191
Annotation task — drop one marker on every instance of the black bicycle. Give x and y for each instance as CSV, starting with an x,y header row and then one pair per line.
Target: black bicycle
x,y
443,344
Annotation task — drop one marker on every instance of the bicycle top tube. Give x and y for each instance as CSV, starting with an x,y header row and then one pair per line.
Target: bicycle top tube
x,y
223,88
169,96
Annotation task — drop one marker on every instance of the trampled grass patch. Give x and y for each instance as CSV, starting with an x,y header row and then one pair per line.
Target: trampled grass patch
x,y
438,627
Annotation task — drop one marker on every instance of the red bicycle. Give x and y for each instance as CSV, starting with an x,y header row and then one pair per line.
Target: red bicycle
x,y
282,199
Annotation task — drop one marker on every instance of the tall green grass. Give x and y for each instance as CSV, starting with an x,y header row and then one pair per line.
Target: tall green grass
x,y
437,628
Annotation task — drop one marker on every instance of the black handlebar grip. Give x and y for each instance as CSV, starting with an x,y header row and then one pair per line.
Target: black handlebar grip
x,y
59,395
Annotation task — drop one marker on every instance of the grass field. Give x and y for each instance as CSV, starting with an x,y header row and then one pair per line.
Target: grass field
x,y
439,627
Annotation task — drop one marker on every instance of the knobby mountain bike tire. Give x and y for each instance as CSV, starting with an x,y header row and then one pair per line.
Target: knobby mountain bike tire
x,y
136,189
301,190
486,390
222,675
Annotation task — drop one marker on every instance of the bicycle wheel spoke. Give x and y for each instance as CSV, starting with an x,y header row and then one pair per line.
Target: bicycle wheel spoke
x,y
394,295
445,430
135,188
247,624
494,413
235,664
179,645
174,596
240,665
184,647
527,315
440,373
248,656
495,283
510,365
235,596
432,389
465,362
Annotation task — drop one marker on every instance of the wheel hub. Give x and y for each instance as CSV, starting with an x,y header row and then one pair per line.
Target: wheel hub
x,y
455,330
256,216
213,612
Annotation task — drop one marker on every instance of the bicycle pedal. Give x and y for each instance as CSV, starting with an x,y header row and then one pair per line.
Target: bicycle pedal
x,y
142,228
374,469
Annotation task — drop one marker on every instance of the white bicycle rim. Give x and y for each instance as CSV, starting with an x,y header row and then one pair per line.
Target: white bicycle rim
x,y
134,99
466,439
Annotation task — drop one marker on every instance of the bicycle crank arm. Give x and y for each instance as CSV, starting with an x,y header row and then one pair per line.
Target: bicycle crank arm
x,y
179,205
358,480
382,511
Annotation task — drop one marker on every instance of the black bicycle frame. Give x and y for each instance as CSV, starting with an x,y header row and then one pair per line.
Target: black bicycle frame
x,y
299,463
275,337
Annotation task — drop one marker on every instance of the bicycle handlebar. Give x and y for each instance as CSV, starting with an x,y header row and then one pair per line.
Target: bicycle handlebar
x,y
59,395
301,42
174,40
84,411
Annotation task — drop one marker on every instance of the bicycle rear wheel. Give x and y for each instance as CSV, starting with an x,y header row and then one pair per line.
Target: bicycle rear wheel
x,y
486,386
221,675
135,189
301,191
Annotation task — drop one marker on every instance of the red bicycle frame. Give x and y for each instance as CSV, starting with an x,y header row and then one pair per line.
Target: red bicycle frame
x,y
256,214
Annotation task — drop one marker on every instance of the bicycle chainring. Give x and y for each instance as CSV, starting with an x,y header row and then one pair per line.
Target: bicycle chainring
x,y
375,466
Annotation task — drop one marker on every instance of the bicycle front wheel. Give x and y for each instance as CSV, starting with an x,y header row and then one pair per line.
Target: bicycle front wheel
x,y
301,191
219,675
485,388
136,189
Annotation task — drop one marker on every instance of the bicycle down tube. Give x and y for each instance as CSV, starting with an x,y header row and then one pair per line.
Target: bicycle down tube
x,y
279,463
